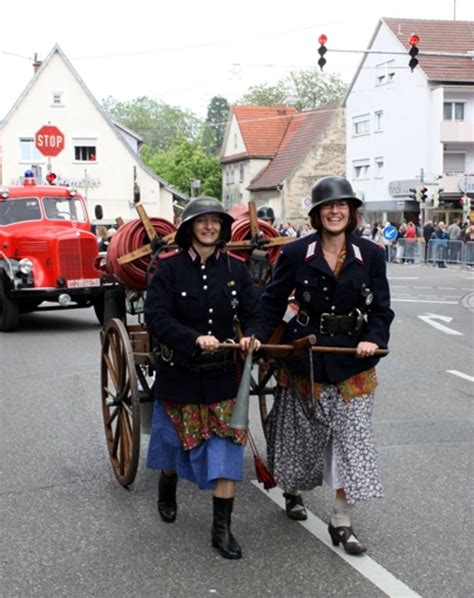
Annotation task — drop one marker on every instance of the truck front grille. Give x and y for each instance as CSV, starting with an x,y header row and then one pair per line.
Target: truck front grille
x,y
76,257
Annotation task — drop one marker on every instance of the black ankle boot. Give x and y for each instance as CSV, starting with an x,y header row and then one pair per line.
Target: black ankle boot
x,y
222,537
167,506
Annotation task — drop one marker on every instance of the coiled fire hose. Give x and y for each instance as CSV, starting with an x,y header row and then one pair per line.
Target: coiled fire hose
x,y
130,237
241,231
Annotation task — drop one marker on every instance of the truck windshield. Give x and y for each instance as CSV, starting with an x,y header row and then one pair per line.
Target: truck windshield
x,y
19,210
64,208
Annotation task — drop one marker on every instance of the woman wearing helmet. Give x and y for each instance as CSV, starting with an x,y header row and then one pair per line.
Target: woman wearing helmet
x,y
192,304
321,420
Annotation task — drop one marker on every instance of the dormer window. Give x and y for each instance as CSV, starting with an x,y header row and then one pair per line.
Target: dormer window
x,y
57,98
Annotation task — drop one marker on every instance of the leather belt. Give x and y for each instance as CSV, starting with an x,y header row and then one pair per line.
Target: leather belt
x,y
332,323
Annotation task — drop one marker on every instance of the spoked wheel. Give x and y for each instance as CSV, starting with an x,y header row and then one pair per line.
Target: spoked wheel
x,y
266,370
120,402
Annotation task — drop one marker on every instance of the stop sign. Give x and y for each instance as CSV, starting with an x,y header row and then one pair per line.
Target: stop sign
x,y
49,140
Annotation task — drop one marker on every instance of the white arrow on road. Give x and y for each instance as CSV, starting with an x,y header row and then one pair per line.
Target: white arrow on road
x,y
429,319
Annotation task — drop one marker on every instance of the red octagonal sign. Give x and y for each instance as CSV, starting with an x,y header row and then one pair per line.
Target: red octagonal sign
x,y
49,140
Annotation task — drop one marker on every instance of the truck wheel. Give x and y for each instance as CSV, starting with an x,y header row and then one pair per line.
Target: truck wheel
x,y
99,308
8,311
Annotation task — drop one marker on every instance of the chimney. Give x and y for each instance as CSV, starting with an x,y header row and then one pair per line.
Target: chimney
x,y
36,63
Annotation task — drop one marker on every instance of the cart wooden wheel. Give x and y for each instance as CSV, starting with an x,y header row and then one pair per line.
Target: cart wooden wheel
x,y
120,402
265,399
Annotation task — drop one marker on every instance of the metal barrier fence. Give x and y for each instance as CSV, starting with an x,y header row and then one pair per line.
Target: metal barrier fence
x,y
437,252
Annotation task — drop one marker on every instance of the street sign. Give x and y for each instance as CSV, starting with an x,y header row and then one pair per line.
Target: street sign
x,y
389,233
49,140
306,203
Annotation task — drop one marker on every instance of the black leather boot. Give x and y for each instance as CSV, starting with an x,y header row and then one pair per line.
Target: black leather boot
x,y
222,537
167,507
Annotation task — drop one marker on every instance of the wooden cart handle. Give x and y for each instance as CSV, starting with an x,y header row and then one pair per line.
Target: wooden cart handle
x,y
301,344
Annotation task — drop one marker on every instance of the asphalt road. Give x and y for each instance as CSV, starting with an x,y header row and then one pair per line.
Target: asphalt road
x,y
68,529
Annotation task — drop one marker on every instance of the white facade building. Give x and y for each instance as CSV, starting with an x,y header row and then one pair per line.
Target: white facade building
x,y
411,129
100,157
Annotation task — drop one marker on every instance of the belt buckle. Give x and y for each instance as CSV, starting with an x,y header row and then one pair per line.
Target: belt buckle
x,y
359,319
321,322
302,318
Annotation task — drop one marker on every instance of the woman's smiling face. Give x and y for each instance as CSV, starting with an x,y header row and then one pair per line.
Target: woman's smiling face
x,y
335,216
207,229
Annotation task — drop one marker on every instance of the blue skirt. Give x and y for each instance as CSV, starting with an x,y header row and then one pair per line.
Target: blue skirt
x,y
213,459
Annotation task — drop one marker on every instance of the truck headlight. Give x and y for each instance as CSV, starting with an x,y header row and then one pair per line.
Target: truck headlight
x,y
26,266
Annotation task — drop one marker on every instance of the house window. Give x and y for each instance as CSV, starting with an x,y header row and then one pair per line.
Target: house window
x,y
453,111
454,164
85,150
57,98
384,72
379,168
235,141
361,124
379,120
241,177
361,169
28,150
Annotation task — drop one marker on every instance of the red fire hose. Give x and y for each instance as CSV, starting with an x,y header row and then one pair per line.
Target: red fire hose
x,y
241,231
129,237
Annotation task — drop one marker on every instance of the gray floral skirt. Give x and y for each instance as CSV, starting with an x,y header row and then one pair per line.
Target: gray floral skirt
x,y
336,432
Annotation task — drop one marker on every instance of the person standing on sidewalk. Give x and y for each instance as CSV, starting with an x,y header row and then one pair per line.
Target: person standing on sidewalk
x,y
428,231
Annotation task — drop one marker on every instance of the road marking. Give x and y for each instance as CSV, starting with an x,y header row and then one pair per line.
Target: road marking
x,y
425,301
461,375
366,566
429,319
403,277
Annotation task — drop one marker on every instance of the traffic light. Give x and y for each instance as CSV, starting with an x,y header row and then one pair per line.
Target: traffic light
x,y
423,194
436,197
413,51
413,193
51,178
322,50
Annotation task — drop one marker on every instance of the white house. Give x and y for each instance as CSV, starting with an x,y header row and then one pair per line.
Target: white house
x,y
100,157
411,129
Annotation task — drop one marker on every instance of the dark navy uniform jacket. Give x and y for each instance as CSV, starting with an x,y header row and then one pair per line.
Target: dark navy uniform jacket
x,y
187,299
302,268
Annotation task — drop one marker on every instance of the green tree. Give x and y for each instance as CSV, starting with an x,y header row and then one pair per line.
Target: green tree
x,y
184,161
303,89
214,127
266,95
157,122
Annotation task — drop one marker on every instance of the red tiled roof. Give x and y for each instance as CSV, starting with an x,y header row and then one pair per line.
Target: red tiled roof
x,y
263,128
303,131
439,36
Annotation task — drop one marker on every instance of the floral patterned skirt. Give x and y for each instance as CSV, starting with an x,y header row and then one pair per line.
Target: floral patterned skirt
x,y
301,440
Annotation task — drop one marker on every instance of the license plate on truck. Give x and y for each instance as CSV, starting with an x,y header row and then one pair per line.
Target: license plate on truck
x,y
83,282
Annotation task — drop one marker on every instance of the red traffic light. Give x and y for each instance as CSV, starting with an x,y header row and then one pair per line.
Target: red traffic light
x,y
322,50
413,39
51,178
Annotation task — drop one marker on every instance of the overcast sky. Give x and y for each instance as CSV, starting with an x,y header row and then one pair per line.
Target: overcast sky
x,y
186,52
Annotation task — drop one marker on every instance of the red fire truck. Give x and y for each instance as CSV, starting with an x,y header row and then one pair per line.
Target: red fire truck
x,y
47,252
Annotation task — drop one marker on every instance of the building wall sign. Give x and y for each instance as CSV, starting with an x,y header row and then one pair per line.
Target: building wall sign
x,y
88,182
402,188
466,184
